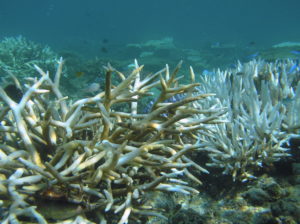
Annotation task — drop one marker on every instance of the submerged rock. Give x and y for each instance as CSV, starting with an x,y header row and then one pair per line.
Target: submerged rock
x,y
286,207
187,216
58,210
256,196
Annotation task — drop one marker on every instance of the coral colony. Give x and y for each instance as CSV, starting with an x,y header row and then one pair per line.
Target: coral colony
x,y
88,154
263,104
102,161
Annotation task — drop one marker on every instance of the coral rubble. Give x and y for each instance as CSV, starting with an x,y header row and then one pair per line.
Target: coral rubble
x,y
98,161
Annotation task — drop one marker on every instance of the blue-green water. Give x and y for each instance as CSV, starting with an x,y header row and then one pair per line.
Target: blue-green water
x,y
192,23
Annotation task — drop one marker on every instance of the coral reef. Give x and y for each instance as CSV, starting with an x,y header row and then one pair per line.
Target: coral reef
x,y
287,44
18,55
97,161
263,103
165,43
134,150
154,53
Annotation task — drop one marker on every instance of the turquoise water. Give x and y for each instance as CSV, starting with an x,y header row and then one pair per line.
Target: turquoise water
x,y
83,25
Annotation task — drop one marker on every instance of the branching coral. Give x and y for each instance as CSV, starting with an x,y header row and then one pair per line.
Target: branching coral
x,y
18,55
263,103
86,154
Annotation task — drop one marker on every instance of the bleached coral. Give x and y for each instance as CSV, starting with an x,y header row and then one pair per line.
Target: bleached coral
x,y
263,104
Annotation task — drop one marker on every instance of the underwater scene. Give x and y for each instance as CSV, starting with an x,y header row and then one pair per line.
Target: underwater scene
x,y
150,112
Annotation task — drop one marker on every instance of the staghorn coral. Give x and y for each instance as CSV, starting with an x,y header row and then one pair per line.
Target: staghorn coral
x,y
263,103
98,161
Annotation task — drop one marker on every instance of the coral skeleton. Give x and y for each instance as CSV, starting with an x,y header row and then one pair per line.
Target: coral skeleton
x,y
98,161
